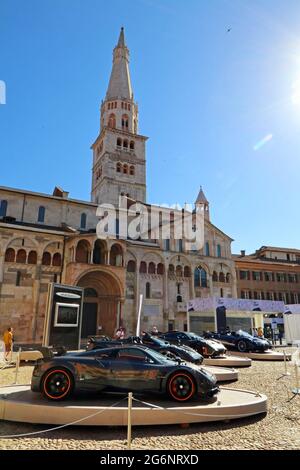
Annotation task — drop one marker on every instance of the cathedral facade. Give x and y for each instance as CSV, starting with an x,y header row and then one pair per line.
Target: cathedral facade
x,y
52,238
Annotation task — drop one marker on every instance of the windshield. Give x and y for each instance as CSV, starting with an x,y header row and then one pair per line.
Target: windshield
x,y
243,333
154,340
157,356
194,336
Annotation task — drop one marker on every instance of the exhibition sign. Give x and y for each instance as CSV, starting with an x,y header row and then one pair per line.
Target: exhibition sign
x,y
63,316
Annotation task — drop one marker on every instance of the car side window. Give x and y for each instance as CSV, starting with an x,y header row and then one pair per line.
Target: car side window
x,y
131,355
103,355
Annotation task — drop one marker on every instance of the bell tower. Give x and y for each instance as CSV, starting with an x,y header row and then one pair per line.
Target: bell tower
x,y
119,150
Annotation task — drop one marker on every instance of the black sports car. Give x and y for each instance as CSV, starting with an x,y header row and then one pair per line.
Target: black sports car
x,y
241,341
205,347
121,369
153,342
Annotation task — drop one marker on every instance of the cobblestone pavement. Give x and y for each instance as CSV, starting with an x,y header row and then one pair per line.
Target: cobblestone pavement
x,y
279,429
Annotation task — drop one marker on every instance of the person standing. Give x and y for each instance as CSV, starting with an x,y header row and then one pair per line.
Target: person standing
x,y
8,339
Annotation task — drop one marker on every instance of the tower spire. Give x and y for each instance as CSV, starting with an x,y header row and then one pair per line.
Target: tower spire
x,y
121,42
120,83
202,203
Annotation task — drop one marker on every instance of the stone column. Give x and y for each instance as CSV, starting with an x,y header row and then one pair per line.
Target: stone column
x,y
1,267
36,297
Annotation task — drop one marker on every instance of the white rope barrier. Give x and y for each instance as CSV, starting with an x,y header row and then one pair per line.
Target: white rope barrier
x,y
12,436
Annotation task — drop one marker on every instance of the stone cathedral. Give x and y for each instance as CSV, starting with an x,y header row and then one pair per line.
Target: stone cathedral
x,y
48,238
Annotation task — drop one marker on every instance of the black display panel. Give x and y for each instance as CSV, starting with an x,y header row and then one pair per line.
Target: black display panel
x,y
64,317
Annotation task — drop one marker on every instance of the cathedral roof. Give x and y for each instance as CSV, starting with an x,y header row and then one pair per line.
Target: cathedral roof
x,y
120,83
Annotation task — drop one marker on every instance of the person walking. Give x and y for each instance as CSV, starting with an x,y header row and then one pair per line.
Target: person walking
x,y
8,339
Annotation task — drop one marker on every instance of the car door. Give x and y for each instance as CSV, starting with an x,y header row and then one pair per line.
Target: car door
x,y
133,370
95,370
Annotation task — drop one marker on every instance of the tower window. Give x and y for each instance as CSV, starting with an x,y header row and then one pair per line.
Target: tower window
x,y
112,121
119,167
131,145
125,169
125,121
131,171
125,144
3,208
83,221
41,214
207,249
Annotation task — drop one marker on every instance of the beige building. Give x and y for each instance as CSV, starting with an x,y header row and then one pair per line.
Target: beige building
x,y
52,238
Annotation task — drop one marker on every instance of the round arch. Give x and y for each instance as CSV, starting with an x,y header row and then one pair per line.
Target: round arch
x,y
101,313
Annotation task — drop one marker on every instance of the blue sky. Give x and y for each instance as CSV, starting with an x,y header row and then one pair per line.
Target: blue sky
x,y
217,106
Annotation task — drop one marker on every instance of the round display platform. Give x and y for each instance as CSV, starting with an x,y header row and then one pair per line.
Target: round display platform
x,y
18,403
227,361
223,374
264,356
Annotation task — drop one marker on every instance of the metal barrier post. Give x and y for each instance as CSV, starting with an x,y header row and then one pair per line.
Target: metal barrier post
x,y
129,420
17,365
296,390
286,373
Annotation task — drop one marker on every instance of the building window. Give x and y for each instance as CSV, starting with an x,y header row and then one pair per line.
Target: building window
x,y
119,142
131,145
200,277
269,276
167,244
10,255
143,267
256,276
151,268
41,214
125,144
131,170
21,256
245,275
56,261
148,290
32,257
171,269
187,271
160,269
119,167
215,276
207,249
219,251
3,208
112,121
83,221
178,271
221,277
180,246
131,266
46,260
18,278
125,121
125,169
